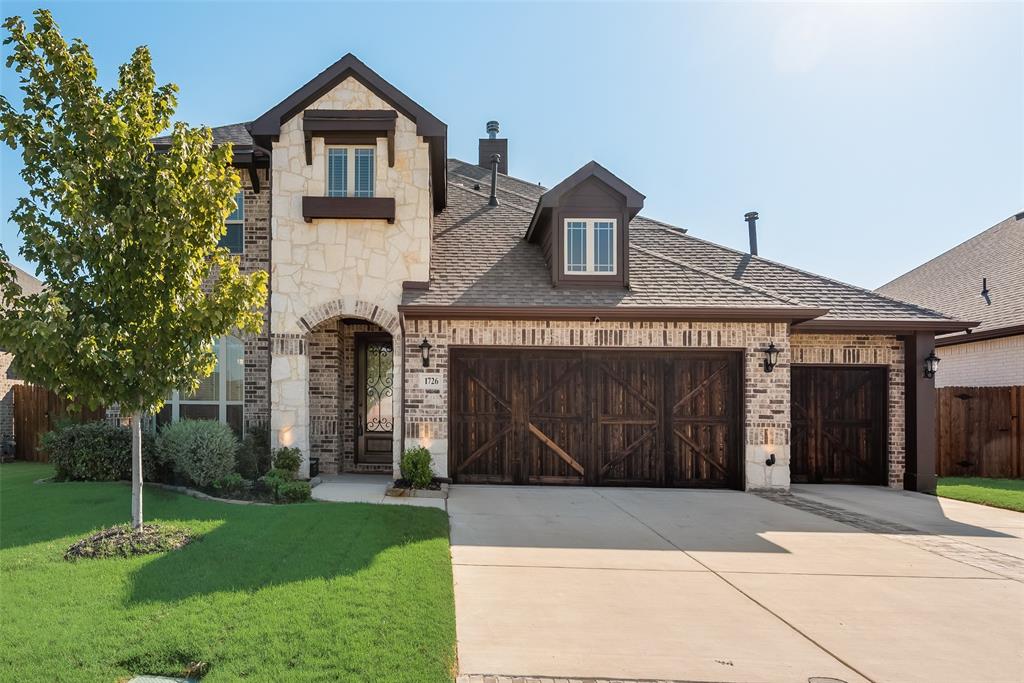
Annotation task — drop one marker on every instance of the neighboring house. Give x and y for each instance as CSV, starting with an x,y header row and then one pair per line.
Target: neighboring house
x,y
8,375
532,335
981,279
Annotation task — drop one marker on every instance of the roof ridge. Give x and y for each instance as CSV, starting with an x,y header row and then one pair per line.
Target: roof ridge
x,y
487,196
501,189
718,276
507,175
808,273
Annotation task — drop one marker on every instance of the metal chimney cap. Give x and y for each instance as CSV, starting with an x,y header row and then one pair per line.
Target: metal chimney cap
x,y
750,216
492,129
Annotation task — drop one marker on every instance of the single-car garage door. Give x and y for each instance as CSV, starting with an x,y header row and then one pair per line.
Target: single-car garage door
x,y
643,418
839,424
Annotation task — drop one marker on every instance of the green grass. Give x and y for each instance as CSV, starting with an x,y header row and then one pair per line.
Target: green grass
x,y
1000,493
308,592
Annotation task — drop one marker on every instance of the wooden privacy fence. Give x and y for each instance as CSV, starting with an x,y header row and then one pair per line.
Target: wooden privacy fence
x,y
37,411
979,432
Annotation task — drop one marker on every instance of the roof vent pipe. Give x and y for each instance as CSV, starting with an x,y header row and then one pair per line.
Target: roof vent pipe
x,y
492,129
751,218
495,160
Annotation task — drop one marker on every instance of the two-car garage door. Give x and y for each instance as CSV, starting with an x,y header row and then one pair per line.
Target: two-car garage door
x,y
643,418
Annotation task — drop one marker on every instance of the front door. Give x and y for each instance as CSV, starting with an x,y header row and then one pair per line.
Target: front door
x,y
375,399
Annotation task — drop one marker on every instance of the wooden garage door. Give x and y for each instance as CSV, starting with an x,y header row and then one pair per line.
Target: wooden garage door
x,y
595,417
839,425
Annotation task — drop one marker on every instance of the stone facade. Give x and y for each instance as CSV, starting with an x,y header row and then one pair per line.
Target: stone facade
x,y
350,268
766,395
986,363
884,350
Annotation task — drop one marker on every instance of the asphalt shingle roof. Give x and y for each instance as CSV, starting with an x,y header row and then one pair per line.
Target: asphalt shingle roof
x,y
479,258
235,133
952,282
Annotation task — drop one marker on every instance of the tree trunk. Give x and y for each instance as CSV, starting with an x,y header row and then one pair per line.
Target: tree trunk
x,y
136,423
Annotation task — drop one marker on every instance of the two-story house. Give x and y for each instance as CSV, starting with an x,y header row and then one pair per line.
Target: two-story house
x,y
533,335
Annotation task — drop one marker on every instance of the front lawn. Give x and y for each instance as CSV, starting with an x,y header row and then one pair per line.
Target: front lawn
x,y
1000,493
314,591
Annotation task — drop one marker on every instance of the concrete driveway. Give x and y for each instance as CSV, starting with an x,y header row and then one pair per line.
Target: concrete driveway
x,y
848,583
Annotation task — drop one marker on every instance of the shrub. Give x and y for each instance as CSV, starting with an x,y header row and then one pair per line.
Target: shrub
x,y
288,459
100,451
415,467
254,458
203,451
233,484
293,492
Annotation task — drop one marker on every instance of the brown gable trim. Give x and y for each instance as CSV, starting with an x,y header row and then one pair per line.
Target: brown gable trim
x,y
349,126
969,337
619,313
348,66
634,201
903,326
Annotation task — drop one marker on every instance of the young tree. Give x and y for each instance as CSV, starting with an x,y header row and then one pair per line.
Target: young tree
x,y
126,238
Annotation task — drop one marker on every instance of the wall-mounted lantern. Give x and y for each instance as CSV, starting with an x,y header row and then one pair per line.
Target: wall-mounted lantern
x,y
425,352
931,365
771,357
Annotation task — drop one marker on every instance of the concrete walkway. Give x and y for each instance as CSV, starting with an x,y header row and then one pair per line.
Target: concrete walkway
x,y
725,586
365,488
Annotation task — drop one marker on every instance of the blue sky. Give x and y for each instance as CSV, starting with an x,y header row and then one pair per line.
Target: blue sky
x,y
870,137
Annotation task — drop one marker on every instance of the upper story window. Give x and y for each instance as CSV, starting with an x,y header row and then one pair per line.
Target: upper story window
x,y
234,236
350,171
590,246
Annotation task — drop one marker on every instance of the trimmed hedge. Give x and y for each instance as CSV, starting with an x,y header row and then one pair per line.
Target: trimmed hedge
x,y
202,451
99,451
415,467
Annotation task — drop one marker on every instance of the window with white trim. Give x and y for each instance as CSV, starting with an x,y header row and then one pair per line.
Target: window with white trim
x,y
590,246
350,171
221,396
234,234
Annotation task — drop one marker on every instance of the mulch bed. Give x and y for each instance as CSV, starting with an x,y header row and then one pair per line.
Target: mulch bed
x,y
124,541
435,484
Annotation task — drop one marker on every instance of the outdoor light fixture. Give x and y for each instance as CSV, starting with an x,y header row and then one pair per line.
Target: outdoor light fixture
x,y
425,352
931,365
771,357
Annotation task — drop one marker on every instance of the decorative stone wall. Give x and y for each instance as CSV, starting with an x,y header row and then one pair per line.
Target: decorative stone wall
x,y
766,395
865,350
338,266
986,363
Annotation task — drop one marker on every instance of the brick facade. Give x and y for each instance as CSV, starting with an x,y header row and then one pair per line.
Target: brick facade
x,y
256,256
332,394
831,349
766,395
986,363
7,382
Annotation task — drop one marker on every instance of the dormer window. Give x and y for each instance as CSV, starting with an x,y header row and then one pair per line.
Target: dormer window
x,y
350,171
590,246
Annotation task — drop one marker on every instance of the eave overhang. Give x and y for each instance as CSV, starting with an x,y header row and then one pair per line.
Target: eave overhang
x,y
893,326
614,313
962,337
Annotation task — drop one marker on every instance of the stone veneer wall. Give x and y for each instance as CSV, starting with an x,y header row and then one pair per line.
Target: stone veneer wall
x,y
341,265
766,395
864,350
